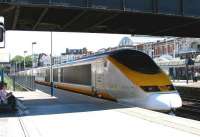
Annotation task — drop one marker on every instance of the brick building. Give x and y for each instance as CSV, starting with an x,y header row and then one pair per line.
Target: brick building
x,y
175,47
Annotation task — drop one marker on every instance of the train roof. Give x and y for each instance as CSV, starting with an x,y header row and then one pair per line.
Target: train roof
x,y
100,55
97,56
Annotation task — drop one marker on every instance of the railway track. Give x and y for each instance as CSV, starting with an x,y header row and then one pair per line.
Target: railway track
x,y
20,113
190,108
22,125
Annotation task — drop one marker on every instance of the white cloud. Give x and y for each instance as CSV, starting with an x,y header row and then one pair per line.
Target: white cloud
x,y
19,41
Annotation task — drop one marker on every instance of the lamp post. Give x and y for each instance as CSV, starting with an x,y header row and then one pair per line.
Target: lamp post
x,y
24,59
16,69
33,43
51,68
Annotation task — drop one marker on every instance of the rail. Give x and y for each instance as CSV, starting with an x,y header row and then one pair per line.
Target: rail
x,y
190,108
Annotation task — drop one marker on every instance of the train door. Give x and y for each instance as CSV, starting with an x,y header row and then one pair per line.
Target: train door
x,y
59,75
47,77
98,77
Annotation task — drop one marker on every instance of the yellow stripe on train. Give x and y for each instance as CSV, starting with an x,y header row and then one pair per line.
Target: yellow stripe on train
x,y
141,79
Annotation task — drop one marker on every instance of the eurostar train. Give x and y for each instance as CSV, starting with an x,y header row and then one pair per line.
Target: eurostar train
x,y
126,76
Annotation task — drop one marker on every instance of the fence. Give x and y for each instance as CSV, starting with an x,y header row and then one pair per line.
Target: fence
x,y
27,82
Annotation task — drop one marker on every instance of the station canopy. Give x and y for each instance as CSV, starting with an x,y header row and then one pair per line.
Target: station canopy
x,y
147,17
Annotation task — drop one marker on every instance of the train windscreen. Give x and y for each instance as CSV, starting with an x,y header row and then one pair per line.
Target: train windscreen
x,y
137,61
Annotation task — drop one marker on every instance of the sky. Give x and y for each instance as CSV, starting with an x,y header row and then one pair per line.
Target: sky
x,y
19,41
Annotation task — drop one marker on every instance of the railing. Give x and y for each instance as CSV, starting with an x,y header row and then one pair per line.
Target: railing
x,y
177,63
27,82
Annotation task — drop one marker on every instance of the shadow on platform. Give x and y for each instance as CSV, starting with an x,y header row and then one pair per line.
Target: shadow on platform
x,y
7,113
66,102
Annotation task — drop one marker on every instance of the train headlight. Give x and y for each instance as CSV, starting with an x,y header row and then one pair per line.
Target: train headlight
x,y
158,88
150,88
171,87
167,88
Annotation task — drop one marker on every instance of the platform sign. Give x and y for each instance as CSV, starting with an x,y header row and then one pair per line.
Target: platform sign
x,y
2,33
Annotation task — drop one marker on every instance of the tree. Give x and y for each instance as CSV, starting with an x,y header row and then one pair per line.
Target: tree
x,y
19,61
28,60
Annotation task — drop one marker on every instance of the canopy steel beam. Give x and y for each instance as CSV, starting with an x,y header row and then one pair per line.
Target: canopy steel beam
x,y
178,18
101,22
40,18
74,19
16,16
7,10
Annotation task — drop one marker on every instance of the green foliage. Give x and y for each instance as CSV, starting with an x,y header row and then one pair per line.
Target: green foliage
x,y
28,60
20,60
6,69
9,82
17,60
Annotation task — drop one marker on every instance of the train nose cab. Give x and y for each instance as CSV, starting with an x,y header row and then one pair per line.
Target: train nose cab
x,y
164,102
144,73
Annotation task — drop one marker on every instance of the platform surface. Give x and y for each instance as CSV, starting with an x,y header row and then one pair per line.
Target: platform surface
x,y
183,83
75,115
